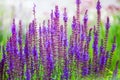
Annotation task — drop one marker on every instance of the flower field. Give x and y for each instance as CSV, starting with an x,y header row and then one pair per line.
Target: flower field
x,y
60,49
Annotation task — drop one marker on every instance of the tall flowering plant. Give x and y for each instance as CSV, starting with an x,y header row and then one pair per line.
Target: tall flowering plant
x,y
49,53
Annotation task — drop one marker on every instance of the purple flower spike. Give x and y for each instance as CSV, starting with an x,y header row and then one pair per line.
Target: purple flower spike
x,y
85,71
2,68
65,75
20,35
108,23
52,14
102,62
49,67
113,45
85,16
85,66
78,1
98,7
85,21
13,27
21,49
28,76
34,8
31,29
74,23
112,50
89,37
36,65
35,52
56,12
64,40
85,57
95,51
65,18
2,64
71,50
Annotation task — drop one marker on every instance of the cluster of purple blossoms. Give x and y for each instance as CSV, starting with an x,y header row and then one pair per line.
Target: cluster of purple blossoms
x,y
44,51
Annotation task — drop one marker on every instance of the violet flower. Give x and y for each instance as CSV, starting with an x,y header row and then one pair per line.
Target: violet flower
x,y
41,45
78,1
98,7
78,10
50,65
27,54
32,70
1,68
77,53
107,31
28,77
112,50
21,50
88,39
74,23
71,50
102,62
14,38
35,59
64,41
11,62
85,67
85,21
65,18
56,12
65,75
2,64
107,24
49,62
95,51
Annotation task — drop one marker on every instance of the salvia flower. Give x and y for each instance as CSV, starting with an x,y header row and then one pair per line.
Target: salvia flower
x,y
21,49
85,16
102,62
2,64
89,36
65,18
74,23
57,14
65,73
95,51
28,76
98,7
50,65
85,61
78,1
107,24
13,27
112,50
